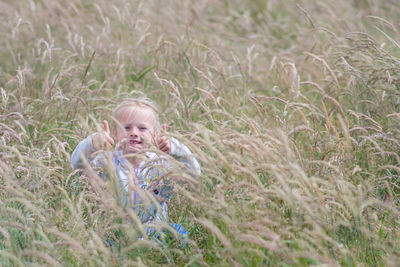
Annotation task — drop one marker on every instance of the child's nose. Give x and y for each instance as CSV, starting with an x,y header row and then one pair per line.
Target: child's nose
x,y
133,132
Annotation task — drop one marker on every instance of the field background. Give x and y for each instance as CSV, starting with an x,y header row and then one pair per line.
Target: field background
x,y
291,107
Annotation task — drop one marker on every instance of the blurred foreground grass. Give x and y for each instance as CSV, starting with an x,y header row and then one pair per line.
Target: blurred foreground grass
x,y
292,109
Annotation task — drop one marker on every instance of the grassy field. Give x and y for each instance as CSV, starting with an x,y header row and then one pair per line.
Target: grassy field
x,y
291,107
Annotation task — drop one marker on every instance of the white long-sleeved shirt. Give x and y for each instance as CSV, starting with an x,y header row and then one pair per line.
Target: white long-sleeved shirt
x,y
147,173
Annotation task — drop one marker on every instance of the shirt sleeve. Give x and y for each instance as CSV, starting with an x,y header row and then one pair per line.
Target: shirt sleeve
x,y
82,152
183,154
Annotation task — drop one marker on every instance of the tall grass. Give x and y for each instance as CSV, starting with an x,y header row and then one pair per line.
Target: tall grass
x,y
291,108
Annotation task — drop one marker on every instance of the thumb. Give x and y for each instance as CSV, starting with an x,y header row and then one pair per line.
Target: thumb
x,y
106,127
164,127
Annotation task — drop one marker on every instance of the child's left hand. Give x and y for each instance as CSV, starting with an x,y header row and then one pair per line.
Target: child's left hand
x,y
163,142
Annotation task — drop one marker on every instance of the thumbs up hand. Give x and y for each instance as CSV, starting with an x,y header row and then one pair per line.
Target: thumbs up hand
x,y
163,142
103,140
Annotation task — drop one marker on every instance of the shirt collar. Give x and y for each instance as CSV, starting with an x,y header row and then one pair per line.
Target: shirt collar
x,y
120,160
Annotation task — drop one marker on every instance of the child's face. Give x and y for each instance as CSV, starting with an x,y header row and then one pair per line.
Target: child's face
x,y
136,130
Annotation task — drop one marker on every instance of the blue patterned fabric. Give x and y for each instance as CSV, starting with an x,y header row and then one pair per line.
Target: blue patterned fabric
x,y
179,229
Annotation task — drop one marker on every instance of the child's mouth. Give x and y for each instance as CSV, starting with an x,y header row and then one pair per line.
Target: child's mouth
x,y
134,142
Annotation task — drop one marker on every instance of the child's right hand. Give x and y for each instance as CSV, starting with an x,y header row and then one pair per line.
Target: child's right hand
x,y
103,140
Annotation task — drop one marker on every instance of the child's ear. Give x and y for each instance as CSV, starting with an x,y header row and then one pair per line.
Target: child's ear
x,y
113,131
156,134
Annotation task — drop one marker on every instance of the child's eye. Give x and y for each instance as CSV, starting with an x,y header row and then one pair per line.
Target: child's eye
x,y
142,128
127,128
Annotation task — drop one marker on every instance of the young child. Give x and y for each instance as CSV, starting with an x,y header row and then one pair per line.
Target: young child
x,y
136,128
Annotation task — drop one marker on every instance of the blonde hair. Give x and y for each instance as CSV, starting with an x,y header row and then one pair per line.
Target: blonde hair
x,y
141,102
